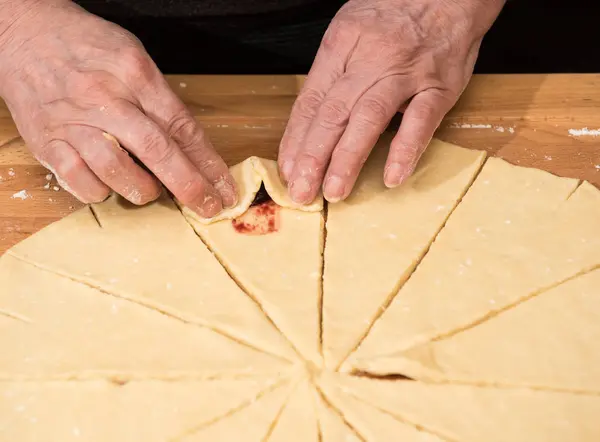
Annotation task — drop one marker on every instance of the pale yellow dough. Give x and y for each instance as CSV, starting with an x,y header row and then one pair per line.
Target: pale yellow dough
x,y
372,424
100,411
249,175
467,413
150,255
550,341
480,281
332,426
298,419
282,269
57,328
252,423
517,232
377,236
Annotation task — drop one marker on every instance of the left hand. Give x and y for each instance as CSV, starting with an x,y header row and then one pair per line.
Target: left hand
x,y
376,56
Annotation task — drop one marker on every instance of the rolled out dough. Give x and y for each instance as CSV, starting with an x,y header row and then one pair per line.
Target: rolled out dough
x,y
517,232
282,270
473,414
476,278
544,342
376,238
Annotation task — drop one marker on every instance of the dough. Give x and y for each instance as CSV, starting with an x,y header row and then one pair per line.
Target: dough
x,y
282,269
331,425
467,413
549,341
298,419
517,232
56,328
377,236
252,423
151,256
100,411
249,175
373,424
122,323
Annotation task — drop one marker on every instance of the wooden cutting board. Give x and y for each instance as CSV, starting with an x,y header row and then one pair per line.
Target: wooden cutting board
x,y
543,121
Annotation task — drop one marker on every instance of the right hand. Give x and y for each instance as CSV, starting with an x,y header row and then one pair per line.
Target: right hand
x,y
79,87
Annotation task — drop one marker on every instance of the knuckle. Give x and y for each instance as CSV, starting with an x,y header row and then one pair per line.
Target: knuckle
x,y
190,192
155,149
341,29
373,111
308,103
334,114
184,129
136,64
423,112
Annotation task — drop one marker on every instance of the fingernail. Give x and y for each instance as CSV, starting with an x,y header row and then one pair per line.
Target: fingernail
x,y
300,190
209,206
227,191
334,189
394,175
287,169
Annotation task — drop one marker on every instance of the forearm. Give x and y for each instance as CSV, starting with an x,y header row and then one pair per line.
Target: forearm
x,y
14,14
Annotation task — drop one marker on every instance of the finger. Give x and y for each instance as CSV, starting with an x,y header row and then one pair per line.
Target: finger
x,y
323,135
421,119
161,155
329,65
370,116
113,165
166,109
71,172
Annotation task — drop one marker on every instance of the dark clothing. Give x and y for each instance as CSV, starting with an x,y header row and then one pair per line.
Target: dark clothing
x,y
282,36
192,8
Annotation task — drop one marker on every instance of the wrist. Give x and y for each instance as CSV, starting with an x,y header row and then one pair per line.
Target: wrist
x,y
482,13
17,19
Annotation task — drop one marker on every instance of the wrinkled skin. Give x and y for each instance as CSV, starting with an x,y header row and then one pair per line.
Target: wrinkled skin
x,y
76,84
376,58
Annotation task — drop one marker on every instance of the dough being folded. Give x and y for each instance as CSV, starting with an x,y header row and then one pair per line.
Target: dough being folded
x,y
281,269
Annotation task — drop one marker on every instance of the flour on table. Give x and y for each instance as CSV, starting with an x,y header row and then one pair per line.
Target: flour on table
x,y
584,132
22,195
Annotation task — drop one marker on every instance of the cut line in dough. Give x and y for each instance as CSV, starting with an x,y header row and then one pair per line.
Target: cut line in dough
x,y
150,255
376,238
280,270
494,252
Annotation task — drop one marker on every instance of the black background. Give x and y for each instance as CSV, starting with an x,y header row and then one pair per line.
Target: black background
x,y
530,36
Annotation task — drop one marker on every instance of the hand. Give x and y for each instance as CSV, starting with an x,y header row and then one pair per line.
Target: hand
x,y
376,56
79,88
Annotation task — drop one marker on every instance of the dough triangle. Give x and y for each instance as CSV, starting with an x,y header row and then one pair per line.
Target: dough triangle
x,y
517,232
298,420
467,413
332,427
100,411
373,424
282,269
550,341
377,236
70,330
252,423
151,255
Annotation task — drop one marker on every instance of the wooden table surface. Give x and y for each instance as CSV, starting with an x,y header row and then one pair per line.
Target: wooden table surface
x,y
550,122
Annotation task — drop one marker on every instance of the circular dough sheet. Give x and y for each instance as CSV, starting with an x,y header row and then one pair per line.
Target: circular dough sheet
x,y
461,306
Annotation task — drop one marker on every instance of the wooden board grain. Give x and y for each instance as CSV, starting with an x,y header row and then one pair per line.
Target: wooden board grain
x,y
523,118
